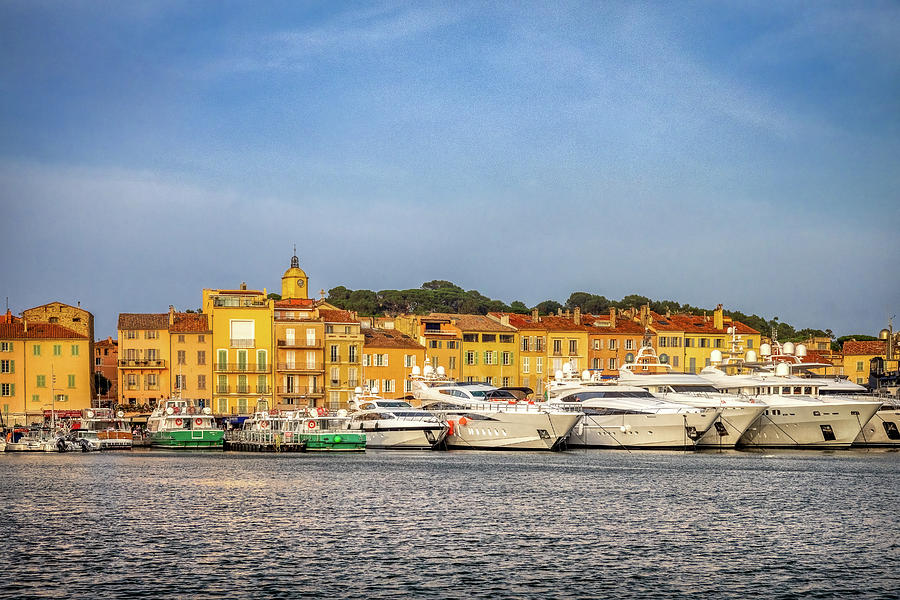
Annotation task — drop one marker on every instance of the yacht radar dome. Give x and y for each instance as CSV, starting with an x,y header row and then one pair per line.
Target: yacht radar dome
x,y
884,334
765,350
416,370
715,356
440,371
801,350
567,368
429,370
358,390
558,375
788,348
751,356
782,369
585,375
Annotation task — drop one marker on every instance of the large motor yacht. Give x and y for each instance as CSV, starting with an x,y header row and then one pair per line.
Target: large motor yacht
x,y
613,415
736,414
394,424
483,417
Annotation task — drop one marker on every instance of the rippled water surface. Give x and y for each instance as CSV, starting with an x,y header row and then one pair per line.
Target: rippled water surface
x,y
584,524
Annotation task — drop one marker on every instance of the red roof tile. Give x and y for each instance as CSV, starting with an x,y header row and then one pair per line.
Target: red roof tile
x,y
473,322
337,316
49,331
872,347
388,338
295,303
190,323
143,321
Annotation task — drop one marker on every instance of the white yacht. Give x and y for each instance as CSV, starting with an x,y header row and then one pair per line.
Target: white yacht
x,y
480,416
796,415
36,439
736,414
394,424
108,427
612,415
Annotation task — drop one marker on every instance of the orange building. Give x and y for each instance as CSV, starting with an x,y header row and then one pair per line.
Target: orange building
x,y
106,363
388,358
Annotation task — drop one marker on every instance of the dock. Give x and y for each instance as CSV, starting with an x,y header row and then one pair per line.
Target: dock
x,y
263,441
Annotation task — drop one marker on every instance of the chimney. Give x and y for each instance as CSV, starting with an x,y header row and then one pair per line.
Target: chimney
x,y
109,339
243,285
504,319
645,316
534,315
719,318
612,316
577,315
668,313
171,315
558,312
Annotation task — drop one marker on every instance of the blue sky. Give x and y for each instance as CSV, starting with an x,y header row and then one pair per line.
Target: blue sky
x,y
746,153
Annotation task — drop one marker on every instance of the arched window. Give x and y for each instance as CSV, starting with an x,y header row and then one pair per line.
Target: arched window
x,y
629,358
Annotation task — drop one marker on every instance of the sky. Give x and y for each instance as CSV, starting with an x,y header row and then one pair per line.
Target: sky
x,y
743,153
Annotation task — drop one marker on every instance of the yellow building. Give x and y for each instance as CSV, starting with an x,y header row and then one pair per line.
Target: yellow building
x,y
43,367
859,355
531,342
343,356
144,356
441,339
242,346
488,349
190,347
388,358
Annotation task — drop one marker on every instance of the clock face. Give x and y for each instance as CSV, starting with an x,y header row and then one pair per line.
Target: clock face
x,y
299,283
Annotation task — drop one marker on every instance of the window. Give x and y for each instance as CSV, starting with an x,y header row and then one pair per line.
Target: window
x,y
223,406
347,329
131,335
506,339
704,342
152,354
41,381
470,358
262,384
573,347
557,346
329,329
596,344
539,364
367,361
611,365
131,380
242,406
661,342
151,334
353,376
62,397
151,381
75,350
452,365
595,364
71,381
470,337
262,360
489,337
182,357
7,389
57,349
539,344
335,375
6,346
718,342
859,365
353,356
34,398
525,344
507,358
181,338
612,344
201,357
36,349
409,360
525,365
629,344
335,353
201,338
451,345
749,343
222,359
489,380
490,357
388,385
98,361
674,361
201,382
179,382
7,366
407,387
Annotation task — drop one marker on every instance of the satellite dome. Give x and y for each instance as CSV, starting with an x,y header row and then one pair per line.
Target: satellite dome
x,y
751,356
788,348
357,390
765,350
884,334
586,375
801,350
782,369
731,330
428,370
558,375
416,370
715,356
440,371
567,368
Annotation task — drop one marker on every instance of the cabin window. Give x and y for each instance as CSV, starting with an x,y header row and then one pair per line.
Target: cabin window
x,y
785,391
808,391
816,413
827,433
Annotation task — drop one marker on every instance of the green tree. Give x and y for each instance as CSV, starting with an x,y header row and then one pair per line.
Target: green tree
x,y
548,307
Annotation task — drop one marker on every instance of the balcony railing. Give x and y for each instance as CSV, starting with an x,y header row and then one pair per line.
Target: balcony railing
x,y
263,389
145,363
132,387
242,343
222,389
242,389
299,343
242,368
300,390
299,366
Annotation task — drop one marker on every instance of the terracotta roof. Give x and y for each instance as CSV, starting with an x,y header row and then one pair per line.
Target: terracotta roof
x,y
389,338
625,326
740,327
337,316
873,347
473,322
190,323
143,321
106,343
295,303
664,323
48,331
818,356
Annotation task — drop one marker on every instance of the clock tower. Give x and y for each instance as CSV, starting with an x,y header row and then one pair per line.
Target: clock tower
x,y
294,282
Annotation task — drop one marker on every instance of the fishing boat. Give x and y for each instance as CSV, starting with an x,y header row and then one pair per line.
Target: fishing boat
x,y
178,423
110,428
320,431
35,439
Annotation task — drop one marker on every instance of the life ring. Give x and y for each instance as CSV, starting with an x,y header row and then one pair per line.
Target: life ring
x,y
178,422
177,410
320,410
198,422
263,424
311,424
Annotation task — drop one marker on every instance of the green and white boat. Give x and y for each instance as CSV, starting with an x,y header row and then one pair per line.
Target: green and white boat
x,y
177,423
322,432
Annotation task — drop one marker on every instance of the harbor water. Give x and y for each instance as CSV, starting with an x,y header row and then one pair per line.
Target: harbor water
x,y
580,524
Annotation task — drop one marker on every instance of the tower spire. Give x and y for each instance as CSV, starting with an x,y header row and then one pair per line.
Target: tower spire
x,y
295,262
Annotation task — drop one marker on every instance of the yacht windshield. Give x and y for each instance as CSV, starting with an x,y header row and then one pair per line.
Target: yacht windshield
x,y
694,388
590,395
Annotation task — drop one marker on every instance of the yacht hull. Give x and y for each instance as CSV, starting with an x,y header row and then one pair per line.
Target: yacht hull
x,y
642,431
808,425
882,430
405,438
509,430
730,426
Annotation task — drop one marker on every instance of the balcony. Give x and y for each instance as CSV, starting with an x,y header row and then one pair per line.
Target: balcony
x,y
242,343
223,389
299,366
263,389
300,390
300,343
241,368
147,363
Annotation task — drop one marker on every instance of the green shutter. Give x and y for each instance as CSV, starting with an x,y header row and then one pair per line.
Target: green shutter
x,y
36,349
12,389
35,397
260,360
12,366
71,381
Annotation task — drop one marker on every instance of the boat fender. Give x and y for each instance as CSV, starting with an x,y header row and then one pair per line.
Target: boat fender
x,y
463,420
337,439
451,427
198,422
178,422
